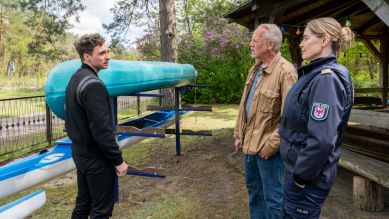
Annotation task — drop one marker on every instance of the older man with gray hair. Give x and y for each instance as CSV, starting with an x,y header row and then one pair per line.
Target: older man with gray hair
x,y
256,130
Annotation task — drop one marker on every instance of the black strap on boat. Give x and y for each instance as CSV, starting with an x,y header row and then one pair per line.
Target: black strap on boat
x,y
293,126
83,84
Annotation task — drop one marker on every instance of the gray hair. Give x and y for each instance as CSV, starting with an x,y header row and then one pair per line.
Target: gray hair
x,y
272,34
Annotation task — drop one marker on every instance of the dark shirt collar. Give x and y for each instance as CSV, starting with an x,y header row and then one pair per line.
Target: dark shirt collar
x,y
88,67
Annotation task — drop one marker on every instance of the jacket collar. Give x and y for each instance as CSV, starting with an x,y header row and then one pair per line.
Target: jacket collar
x,y
86,66
273,63
317,63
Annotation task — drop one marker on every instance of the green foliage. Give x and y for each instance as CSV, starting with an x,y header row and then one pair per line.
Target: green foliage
x,y
48,20
149,45
191,14
362,65
35,39
221,55
127,13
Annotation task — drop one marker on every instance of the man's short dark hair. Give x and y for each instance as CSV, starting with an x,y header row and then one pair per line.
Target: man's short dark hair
x,y
87,42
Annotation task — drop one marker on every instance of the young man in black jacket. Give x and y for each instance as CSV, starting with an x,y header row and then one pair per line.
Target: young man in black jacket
x,y
89,124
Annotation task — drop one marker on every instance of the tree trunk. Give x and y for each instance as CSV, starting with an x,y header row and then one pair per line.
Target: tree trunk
x,y
167,18
371,67
367,195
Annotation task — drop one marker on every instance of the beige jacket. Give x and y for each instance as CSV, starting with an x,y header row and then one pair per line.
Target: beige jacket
x,y
260,129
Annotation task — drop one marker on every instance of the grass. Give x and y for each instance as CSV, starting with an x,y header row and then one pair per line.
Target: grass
x,y
172,206
33,82
61,196
20,92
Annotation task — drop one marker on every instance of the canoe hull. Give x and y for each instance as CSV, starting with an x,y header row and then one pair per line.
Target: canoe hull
x,y
24,206
121,78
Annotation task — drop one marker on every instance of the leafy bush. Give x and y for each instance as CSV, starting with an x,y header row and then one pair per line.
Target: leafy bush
x,y
221,56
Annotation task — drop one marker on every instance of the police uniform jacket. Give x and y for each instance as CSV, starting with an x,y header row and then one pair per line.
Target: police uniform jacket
x,y
316,112
260,128
88,118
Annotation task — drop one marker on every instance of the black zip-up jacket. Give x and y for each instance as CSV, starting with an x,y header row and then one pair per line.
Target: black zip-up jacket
x,y
88,120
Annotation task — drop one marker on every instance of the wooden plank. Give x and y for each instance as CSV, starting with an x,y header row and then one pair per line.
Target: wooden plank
x,y
157,108
368,90
145,169
369,168
190,132
368,24
195,107
384,46
380,8
187,107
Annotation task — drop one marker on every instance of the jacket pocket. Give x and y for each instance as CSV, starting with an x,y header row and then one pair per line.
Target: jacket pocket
x,y
292,154
269,101
289,151
284,146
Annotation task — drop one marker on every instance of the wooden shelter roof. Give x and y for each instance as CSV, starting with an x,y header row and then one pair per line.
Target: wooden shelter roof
x,y
369,21
369,18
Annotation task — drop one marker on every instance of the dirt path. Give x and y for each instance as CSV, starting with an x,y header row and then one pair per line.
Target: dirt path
x,y
200,178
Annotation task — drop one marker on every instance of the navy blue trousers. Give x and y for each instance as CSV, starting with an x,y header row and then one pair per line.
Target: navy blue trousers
x,y
302,202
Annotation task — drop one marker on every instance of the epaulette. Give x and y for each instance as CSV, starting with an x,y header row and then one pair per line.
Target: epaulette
x,y
326,71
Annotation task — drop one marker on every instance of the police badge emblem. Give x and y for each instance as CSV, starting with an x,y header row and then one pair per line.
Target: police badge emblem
x,y
319,111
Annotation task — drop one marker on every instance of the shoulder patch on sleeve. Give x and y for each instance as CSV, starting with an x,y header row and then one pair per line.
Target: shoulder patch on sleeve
x,y
326,71
319,111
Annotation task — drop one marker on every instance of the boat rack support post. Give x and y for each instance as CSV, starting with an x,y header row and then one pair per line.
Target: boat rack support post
x,y
148,95
177,109
139,95
138,105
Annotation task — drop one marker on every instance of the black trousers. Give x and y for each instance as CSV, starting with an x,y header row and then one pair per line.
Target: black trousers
x,y
96,181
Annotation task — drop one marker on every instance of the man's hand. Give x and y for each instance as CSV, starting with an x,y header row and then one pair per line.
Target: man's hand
x,y
121,169
238,144
265,153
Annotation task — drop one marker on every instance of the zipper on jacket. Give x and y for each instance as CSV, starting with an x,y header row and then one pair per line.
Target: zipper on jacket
x,y
290,146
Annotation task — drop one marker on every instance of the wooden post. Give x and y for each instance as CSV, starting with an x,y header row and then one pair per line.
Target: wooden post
x,y
49,125
294,50
385,72
367,195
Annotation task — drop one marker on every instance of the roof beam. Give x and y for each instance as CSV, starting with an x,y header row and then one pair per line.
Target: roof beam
x,y
264,11
323,11
297,10
380,8
370,46
367,25
349,10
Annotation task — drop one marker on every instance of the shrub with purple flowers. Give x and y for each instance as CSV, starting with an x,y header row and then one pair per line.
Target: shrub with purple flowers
x,y
221,54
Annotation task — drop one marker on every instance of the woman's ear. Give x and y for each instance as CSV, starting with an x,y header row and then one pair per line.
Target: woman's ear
x,y
325,40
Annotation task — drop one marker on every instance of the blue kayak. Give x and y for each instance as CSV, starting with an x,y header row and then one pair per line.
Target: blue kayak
x,y
24,206
48,164
121,78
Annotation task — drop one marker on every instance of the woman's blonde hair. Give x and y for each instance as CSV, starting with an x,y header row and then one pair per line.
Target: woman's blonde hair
x,y
340,37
